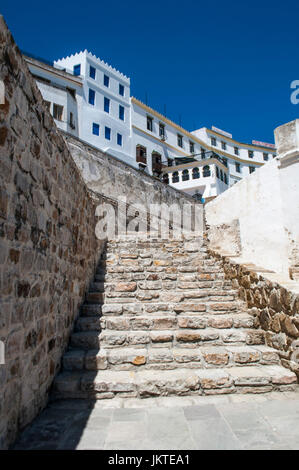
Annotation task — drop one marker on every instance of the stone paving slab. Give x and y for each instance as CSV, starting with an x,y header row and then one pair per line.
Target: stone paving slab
x,y
229,422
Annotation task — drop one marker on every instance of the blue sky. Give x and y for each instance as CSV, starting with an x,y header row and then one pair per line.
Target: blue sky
x,y
222,63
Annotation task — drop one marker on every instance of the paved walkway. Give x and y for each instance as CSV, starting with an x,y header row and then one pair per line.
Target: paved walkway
x,y
224,422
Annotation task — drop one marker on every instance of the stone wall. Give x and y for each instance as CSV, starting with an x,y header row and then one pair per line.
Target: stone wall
x,y
48,248
275,305
111,177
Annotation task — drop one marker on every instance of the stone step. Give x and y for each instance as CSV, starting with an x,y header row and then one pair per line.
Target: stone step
x,y
177,302
200,289
178,382
165,338
151,308
166,359
159,266
164,243
163,322
204,279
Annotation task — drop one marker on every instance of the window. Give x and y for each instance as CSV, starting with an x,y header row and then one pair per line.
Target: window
x,y
203,154
107,133
91,96
106,81
213,141
236,150
250,153
185,175
165,178
206,171
106,104
57,111
72,124
238,168
265,157
217,171
77,69
251,169
119,139
195,173
224,161
121,89
180,140
92,72
161,130
121,113
140,154
95,129
191,145
225,178
149,123
221,175
175,177
156,163
223,145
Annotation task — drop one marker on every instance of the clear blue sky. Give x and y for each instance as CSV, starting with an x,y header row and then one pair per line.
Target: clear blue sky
x,y
222,63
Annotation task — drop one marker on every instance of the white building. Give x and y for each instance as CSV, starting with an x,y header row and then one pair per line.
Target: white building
x,y
91,100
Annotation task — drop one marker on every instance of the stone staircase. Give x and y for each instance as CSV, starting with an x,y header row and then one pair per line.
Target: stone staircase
x,y
160,319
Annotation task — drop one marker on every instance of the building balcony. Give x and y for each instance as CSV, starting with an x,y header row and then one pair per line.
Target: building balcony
x,y
141,159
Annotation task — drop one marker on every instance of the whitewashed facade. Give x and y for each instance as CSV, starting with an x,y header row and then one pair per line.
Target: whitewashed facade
x,y
91,100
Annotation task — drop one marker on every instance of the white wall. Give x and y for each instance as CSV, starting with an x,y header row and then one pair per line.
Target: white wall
x,y
266,204
90,114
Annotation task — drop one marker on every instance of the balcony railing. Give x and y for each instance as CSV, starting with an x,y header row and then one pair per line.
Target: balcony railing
x,y
141,159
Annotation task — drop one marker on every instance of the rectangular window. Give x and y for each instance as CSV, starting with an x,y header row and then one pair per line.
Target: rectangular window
x,y
202,153
121,90
213,141
251,169
238,169
106,104
106,81
95,129
140,154
121,113
250,153
91,96
161,130
191,147
119,139
77,69
107,133
236,150
149,123
180,140
92,72
223,145
72,124
57,111
265,157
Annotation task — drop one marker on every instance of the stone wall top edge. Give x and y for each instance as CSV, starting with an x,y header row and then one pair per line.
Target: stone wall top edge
x,y
119,163
270,277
